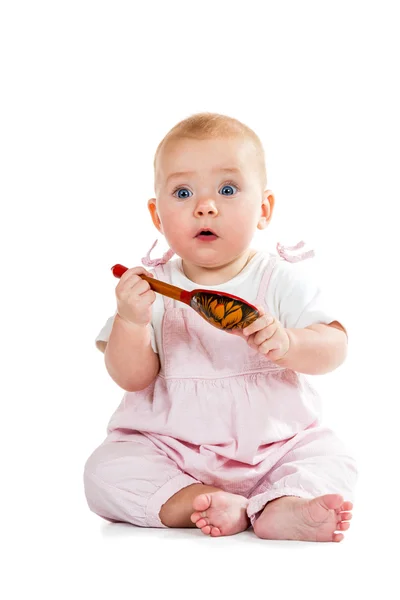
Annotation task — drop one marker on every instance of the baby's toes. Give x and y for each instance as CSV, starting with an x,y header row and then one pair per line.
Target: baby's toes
x,y
202,502
194,517
345,516
202,523
206,530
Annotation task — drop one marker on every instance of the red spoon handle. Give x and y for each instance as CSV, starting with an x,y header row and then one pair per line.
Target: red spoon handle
x,y
118,270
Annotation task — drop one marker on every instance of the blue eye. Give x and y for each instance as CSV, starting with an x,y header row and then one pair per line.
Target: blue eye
x,y
183,193
228,190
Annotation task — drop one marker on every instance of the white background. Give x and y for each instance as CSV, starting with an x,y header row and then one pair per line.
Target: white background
x,y
88,89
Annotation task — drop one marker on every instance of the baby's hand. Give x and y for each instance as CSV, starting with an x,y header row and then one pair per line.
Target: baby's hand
x,y
267,335
135,297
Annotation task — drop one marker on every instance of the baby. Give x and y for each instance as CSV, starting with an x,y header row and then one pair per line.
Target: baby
x,y
220,430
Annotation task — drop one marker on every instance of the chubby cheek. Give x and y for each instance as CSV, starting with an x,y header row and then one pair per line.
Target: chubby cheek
x,y
240,228
176,228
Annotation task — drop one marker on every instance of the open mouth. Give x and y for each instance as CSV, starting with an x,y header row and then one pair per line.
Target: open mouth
x,y
206,233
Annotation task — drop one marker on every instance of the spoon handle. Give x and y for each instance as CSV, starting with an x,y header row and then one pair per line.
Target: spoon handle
x,y
166,289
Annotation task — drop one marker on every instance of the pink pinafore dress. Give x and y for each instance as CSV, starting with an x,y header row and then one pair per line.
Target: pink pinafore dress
x,y
222,414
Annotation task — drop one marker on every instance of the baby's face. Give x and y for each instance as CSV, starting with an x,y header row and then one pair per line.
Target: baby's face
x,y
212,184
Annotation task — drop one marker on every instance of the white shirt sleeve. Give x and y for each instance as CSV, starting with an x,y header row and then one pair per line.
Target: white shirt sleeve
x,y
295,298
104,333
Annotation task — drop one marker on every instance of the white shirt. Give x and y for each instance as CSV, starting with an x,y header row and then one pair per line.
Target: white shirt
x,y
293,296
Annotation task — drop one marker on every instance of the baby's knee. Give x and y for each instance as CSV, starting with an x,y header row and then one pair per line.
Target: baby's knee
x,y
93,465
113,482
96,480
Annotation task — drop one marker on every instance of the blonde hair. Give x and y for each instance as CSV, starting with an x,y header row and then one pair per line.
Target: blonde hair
x,y
209,125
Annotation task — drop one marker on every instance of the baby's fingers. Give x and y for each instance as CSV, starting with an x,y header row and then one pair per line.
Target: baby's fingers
x,y
263,321
135,271
131,277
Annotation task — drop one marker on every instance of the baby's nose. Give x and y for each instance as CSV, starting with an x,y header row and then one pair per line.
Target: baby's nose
x,y
206,208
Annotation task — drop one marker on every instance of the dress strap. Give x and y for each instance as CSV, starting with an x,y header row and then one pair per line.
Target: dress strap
x,y
283,252
159,262
160,273
148,262
273,259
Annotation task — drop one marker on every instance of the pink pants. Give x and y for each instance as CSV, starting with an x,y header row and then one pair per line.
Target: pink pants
x,y
130,480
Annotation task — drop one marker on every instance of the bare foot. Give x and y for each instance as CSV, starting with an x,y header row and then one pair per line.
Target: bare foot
x,y
316,520
220,513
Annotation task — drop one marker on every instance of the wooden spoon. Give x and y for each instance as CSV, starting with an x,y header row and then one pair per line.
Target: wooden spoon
x,y
224,311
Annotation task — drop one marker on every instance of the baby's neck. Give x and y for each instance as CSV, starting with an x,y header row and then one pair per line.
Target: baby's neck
x,y
216,275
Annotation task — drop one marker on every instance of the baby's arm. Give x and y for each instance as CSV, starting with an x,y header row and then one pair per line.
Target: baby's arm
x,y
317,340
316,349
129,357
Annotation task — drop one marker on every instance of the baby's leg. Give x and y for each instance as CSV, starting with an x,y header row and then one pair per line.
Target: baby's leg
x,y
129,481
308,493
